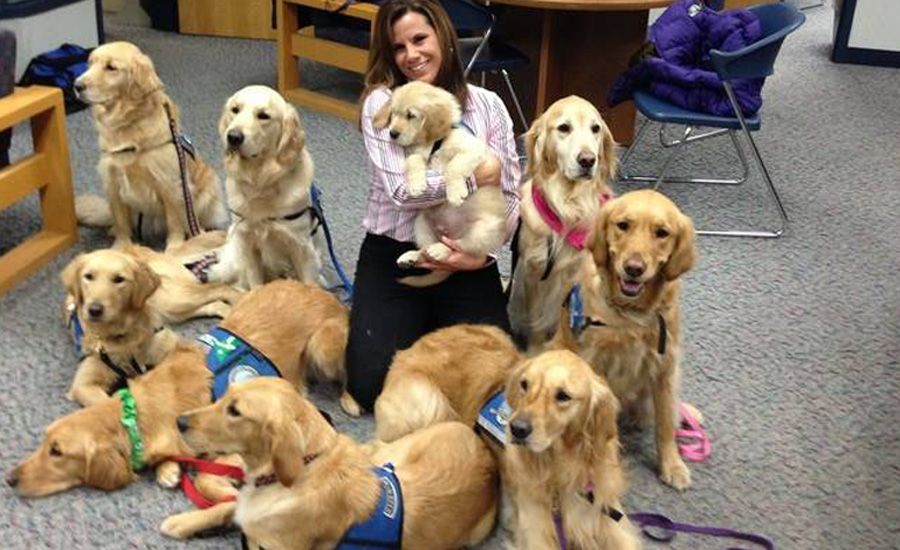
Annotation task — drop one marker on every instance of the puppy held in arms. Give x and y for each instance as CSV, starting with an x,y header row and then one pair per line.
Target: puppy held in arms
x,y
426,121
270,174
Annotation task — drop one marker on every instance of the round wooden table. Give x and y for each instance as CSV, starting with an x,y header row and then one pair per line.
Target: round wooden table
x,y
576,47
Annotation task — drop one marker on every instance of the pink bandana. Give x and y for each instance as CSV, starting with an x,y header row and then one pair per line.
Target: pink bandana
x,y
576,237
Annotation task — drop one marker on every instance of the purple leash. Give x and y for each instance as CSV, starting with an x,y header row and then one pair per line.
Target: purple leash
x,y
665,530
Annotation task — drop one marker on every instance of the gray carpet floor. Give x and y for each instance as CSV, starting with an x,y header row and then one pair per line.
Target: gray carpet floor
x,y
791,346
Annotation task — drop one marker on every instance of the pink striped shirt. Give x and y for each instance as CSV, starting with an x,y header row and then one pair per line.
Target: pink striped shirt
x,y
391,211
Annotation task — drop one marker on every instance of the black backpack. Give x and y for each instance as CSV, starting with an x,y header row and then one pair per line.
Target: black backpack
x,y
60,68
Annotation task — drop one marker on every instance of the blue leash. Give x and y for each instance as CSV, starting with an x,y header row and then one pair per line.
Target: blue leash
x,y
345,284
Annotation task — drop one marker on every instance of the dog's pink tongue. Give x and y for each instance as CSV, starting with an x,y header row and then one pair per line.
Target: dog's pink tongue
x,y
631,287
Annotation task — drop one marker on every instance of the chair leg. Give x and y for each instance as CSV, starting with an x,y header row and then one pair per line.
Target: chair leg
x,y
515,98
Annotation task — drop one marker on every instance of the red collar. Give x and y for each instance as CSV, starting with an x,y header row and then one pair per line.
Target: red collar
x,y
577,237
270,479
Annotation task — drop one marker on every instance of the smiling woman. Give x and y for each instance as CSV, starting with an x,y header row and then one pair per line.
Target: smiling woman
x,y
413,40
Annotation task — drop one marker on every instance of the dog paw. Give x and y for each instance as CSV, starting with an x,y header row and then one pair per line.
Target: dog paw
x,y
408,260
416,186
168,474
178,526
349,405
457,192
438,252
675,473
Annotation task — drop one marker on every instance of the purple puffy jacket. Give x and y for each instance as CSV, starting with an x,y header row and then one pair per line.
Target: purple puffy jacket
x,y
681,72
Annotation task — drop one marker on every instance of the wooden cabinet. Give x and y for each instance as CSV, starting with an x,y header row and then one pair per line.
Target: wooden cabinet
x,y
233,18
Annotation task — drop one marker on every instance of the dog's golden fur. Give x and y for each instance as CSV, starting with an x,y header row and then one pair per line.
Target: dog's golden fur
x,y
90,446
448,374
564,443
324,480
571,161
138,161
110,292
269,175
641,231
418,115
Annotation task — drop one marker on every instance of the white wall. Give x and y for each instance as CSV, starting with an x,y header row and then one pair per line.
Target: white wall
x,y
75,23
875,25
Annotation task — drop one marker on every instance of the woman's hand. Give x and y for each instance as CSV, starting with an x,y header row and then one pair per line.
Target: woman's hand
x,y
488,172
457,261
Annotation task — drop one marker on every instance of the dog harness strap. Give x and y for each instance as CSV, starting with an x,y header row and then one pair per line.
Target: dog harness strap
x,y
384,528
576,238
661,345
121,375
560,531
193,226
662,529
548,266
232,359
189,463
129,421
295,215
74,324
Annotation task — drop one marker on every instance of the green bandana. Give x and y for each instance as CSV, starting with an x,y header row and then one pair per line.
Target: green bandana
x,y
130,423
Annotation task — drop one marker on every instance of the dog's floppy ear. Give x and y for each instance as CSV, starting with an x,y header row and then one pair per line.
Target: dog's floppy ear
x,y
71,276
685,253
609,162
293,138
600,439
224,121
437,119
383,116
599,241
146,281
534,145
287,445
106,466
143,76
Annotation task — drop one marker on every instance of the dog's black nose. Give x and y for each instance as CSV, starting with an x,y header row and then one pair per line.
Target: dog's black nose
x,y
95,311
12,479
586,160
520,429
79,86
182,423
634,268
394,134
235,138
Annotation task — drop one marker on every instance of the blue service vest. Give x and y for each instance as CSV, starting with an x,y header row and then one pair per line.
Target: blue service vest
x,y
494,417
77,332
384,528
232,360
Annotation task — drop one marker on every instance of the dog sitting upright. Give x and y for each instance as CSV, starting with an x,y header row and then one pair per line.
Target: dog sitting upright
x,y
426,121
270,173
140,146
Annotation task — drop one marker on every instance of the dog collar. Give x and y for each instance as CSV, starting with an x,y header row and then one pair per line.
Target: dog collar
x,y
576,238
270,479
130,423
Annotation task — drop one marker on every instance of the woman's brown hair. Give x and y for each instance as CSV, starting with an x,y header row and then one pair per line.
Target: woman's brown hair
x,y
383,70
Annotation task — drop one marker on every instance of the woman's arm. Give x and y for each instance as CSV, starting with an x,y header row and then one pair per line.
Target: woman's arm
x,y
388,160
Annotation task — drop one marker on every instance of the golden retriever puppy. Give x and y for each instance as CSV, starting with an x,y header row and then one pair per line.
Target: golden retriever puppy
x,y
139,157
269,174
306,485
562,465
571,163
448,374
425,120
123,333
642,245
91,447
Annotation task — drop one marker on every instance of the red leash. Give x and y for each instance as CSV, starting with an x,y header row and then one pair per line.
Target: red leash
x,y
206,467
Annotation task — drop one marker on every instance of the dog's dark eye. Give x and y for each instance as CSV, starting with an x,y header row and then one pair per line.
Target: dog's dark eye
x,y
524,384
263,116
118,279
662,233
564,128
232,410
623,226
89,276
410,115
235,109
54,450
562,396
110,67
595,128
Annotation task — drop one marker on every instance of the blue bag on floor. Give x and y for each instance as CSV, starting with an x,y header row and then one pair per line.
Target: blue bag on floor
x,y
59,68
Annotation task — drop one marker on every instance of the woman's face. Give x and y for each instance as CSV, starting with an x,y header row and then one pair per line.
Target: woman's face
x,y
417,51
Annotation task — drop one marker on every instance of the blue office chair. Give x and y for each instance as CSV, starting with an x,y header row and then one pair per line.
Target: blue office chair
x,y
479,53
753,61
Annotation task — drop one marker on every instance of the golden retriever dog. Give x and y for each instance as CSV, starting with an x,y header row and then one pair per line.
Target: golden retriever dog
x,y
571,163
563,458
124,336
139,161
642,245
269,173
91,447
306,484
425,120
448,374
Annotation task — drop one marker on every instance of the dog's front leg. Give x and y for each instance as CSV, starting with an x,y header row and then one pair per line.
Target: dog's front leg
x,y
416,167
113,180
188,524
176,222
672,469
91,382
460,167
534,529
